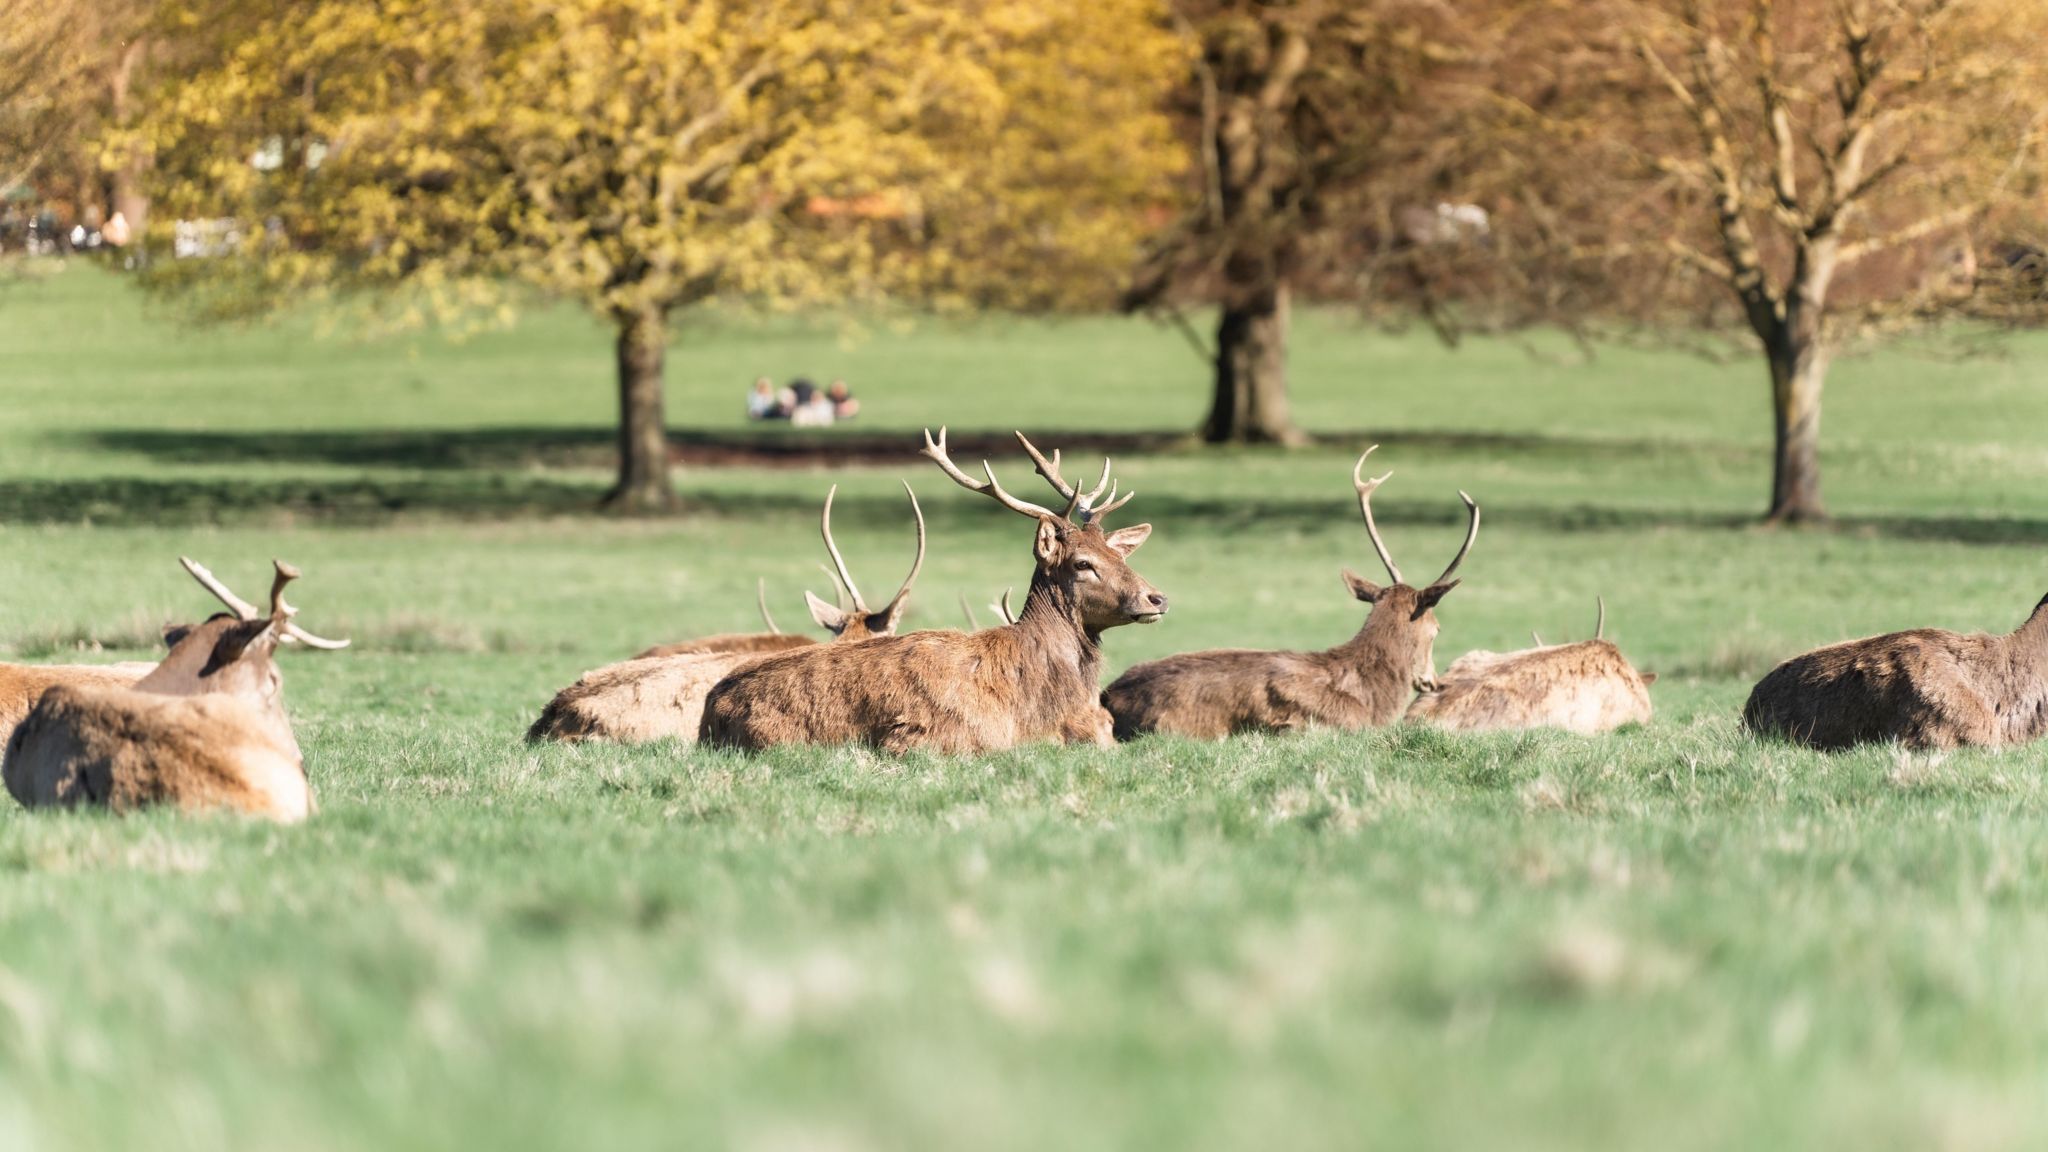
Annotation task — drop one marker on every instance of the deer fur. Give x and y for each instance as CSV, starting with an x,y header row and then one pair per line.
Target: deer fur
x,y
21,685
662,696
204,729
1928,688
1588,688
956,692
1364,682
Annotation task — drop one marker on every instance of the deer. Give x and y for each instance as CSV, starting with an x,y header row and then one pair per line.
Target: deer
x,y
655,697
205,730
21,685
958,693
1588,688
1365,682
1928,688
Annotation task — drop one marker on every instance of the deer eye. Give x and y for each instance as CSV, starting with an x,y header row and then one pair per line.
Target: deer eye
x,y
1084,565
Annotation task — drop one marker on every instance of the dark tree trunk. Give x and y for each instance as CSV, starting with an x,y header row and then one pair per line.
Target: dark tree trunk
x,y
128,198
1798,369
1250,402
643,484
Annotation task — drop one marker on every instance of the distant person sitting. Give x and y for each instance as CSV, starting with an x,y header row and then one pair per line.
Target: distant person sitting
x,y
844,406
763,404
812,408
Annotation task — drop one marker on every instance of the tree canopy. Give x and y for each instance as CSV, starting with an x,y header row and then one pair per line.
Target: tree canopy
x,y
645,156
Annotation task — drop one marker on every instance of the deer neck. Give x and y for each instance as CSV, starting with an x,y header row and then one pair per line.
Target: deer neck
x,y
1054,630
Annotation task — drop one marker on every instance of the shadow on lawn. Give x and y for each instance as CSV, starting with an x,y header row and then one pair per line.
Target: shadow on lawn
x,y
495,496
770,446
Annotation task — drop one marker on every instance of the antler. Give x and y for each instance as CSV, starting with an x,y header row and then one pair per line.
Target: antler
x,y
1365,490
916,565
761,602
838,561
1471,534
1009,617
1600,625
936,451
967,610
279,610
211,583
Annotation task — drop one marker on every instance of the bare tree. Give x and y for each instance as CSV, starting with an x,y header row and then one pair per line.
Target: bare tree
x,y
1295,113
1804,177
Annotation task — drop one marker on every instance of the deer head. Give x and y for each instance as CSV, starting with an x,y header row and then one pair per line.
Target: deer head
x,y
231,652
1079,562
1402,625
860,621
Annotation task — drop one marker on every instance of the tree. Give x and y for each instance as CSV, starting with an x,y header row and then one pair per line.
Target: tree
x,y
1808,176
646,156
1298,113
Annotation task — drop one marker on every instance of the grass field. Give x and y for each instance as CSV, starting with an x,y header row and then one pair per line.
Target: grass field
x,y
1673,937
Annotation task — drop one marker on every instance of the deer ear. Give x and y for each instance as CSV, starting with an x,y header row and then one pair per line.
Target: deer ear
x,y
884,623
239,641
1362,588
830,617
1649,678
1047,546
1429,597
174,634
1126,540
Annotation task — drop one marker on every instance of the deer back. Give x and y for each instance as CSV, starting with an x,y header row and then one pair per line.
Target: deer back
x,y
1927,688
1588,687
21,685
637,701
124,749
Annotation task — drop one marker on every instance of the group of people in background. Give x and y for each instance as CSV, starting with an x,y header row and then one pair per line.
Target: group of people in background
x,y
802,403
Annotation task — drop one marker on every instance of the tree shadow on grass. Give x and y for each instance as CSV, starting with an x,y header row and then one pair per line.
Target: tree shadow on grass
x,y
772,446
485,496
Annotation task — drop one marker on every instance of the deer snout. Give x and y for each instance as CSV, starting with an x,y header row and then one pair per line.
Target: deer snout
x,y
1150,605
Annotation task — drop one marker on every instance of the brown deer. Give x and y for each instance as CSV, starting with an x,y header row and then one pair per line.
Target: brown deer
x,y
1928,688
651,698
1588,688
957,692
206,729
1364,682
21,685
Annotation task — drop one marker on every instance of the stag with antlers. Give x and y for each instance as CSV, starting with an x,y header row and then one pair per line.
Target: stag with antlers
x,y
205,729
662,696
1032,681
1364,682
1588,688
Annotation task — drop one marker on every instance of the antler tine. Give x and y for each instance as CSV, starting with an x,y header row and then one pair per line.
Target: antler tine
x,y
761,602
1365,490
1050,469
995,489
1471,534
916,565
1113,503
935,450
838,561
1600,624
1537,637
279,610
967,610
838,589
1009,617
211,583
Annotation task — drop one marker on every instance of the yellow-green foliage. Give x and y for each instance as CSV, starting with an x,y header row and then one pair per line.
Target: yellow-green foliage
x,y
643,155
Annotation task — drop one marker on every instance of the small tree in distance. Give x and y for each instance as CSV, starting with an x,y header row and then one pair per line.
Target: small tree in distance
x,y
1808,175
642,157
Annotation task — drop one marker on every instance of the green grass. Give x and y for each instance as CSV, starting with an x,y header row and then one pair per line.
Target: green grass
x,y
1672,937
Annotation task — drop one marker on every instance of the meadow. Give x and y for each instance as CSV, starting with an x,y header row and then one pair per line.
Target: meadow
x,y
1674,936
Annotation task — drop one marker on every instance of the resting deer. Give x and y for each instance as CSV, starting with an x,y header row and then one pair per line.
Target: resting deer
x,y
957,692
206,729
1588,687
1363,682
21,685
1928,688
651,698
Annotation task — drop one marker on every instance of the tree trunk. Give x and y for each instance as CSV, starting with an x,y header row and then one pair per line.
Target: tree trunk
x,y
643,484
1798,369
1250,403
129,200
